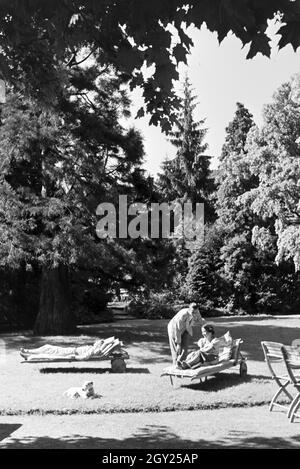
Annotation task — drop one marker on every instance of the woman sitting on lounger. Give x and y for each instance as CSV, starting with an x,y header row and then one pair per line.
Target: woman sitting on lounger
x,y
208,349
84,352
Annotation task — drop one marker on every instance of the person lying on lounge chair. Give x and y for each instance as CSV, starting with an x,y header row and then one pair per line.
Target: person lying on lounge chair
x,y
208,350
84,352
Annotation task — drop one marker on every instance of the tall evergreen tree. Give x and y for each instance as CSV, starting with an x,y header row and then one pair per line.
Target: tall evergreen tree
x,y
203,282
205,266
237,131
238,257
187,175
56,168
186,178
234,176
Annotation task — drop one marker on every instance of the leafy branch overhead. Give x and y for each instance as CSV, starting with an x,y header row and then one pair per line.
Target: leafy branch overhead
x,y
42,41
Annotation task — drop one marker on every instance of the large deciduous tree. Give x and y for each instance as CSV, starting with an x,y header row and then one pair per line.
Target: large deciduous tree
x,y
274,159
255,239
249,250
43,40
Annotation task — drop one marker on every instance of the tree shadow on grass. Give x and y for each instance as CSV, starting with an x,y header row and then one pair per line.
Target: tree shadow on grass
x,y
253,334
6,429
222,381
151,336
155,436
91,370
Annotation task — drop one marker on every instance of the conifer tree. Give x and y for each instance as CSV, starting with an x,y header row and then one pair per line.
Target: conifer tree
x,y
234,176
56,168
187,175
186,178
237,131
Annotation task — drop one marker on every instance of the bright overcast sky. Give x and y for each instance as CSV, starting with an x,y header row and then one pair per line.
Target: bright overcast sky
x,y
221,76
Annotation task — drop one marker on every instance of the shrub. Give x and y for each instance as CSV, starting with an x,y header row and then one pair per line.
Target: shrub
x,y
156,306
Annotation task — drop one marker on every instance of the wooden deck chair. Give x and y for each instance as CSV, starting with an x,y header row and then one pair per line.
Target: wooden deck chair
x,y
291,357
273,356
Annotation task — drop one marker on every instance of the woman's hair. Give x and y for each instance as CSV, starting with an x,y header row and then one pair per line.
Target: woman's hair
x,y
209,328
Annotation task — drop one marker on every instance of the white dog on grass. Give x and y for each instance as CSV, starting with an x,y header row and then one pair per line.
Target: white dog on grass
x,y
85,391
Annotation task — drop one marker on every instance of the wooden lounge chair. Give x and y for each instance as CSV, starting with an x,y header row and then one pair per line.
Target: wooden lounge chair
x,y
273,357
201,371
291,358
113,352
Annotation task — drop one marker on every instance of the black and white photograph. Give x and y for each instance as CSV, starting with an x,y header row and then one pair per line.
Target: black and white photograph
x,y
149,229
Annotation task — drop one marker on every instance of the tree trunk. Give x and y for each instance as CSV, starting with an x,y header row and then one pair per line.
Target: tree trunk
x,y
55,316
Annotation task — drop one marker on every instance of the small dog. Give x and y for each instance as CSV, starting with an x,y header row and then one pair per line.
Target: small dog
x,y
85,391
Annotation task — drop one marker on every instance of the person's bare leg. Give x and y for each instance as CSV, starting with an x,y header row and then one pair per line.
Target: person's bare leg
x,y
39,350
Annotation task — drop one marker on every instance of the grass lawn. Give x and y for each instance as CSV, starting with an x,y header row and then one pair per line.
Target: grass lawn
x,y
38,388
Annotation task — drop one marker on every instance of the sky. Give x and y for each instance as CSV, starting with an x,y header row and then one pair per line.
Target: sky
x,y
220,76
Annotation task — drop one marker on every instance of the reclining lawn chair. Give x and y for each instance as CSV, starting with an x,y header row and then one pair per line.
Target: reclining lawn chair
x,y
112,349
273,356
291,357
203,371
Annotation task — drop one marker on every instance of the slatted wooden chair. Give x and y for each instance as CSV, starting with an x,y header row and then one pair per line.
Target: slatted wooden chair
x,y
273,356
291,357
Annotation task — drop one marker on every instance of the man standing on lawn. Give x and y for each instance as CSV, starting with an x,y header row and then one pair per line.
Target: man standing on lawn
x,y
180,328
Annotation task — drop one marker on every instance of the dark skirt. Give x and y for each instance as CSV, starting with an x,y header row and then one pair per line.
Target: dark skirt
x,y
199,357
